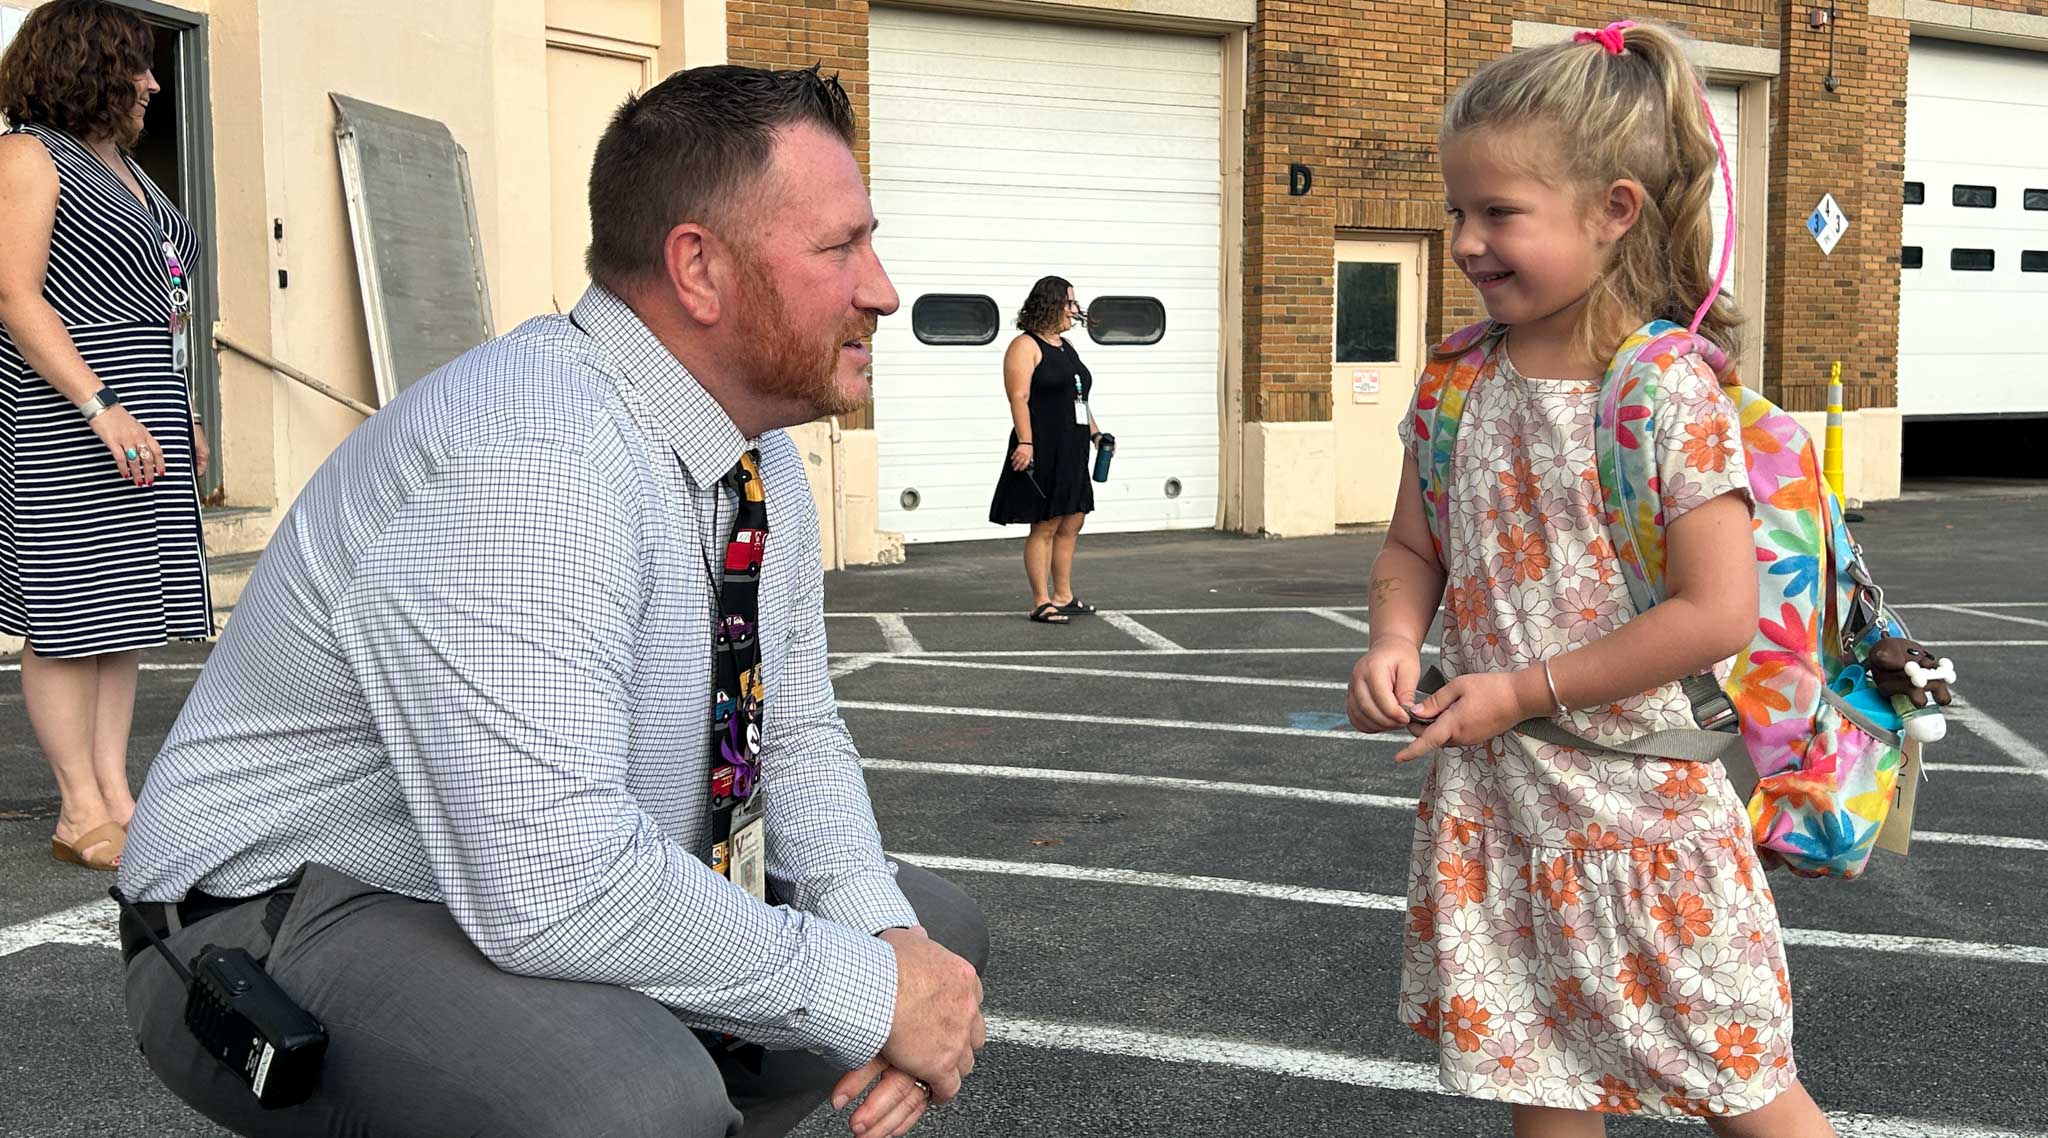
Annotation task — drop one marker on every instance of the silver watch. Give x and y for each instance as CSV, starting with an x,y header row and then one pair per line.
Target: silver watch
x,y
100,401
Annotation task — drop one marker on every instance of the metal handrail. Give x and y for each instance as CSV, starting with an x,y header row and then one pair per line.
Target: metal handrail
x,y
222,340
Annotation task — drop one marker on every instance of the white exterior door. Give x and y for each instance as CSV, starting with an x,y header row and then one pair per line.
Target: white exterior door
x,y
1006,150
1723,100
1974,258
10,23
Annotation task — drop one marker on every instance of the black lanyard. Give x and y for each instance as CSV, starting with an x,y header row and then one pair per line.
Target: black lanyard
x,y
737,690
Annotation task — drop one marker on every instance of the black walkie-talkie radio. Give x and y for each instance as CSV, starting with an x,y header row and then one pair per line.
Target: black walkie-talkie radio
x,y
242,1018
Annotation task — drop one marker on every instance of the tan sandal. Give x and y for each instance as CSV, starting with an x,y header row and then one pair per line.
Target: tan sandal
x,y
111,834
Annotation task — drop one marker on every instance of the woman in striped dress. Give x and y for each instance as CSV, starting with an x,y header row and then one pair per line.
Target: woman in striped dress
x,y
101,552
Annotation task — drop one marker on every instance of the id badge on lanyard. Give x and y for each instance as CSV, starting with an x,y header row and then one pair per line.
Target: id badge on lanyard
x,y
181,309
1080,404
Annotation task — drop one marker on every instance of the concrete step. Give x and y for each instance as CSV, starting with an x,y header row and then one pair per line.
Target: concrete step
x,y
229,574
236,529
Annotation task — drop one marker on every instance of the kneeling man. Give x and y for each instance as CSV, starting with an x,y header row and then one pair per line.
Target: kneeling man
x,y
518,764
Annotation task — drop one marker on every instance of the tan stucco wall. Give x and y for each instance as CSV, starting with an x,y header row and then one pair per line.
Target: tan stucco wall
x,y
1873,450
1290,478
477,65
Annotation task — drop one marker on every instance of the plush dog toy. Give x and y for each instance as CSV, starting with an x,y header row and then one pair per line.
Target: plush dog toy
x,y
1917,682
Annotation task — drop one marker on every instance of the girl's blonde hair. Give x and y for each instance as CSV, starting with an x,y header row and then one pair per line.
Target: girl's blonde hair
x,y
1636,115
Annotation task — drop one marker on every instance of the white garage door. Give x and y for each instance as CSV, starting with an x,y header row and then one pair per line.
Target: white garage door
x,y
1974,276
1006,150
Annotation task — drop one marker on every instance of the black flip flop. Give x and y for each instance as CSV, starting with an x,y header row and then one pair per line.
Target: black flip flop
x,y
1077,607
1049,613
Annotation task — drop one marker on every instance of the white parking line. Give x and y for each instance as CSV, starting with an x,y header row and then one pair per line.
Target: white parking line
x,y
1264,729
1083,653
1335,616
144,667
897,633
1138,632
1973,604
1385,902
840,669
1128,612
91,924
1403,803
1983,611
1981,768
1998,735
1162,782
1121,721
1111,673
1360,1071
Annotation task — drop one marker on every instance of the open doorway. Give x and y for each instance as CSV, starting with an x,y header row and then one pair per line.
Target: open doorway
x,y
176,150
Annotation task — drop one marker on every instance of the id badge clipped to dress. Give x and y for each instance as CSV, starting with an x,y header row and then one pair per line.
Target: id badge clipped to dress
x,y
1080,412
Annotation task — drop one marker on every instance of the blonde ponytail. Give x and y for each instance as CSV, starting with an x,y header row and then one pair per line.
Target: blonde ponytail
x,y
1638,115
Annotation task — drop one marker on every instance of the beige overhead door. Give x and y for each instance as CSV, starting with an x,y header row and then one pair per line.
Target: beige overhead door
x,y
588,78
1377,352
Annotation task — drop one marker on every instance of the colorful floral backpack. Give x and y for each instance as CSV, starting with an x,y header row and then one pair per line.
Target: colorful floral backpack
x,y
1822,737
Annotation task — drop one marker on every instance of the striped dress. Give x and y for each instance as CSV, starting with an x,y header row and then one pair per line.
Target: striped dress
x,y
91,563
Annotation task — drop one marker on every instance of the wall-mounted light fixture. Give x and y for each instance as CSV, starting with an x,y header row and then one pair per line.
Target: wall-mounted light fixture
x,y
1818,18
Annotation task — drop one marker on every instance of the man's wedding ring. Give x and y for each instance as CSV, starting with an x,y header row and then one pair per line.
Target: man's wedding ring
x,y
923,1086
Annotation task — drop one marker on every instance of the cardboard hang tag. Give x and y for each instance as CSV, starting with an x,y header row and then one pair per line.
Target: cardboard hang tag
x,y
1897,832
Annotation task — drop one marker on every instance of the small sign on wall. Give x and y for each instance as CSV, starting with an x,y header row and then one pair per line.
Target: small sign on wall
x,y
1827,223
1365,385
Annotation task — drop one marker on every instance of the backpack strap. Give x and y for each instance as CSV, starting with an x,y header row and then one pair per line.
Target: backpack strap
x,y
1686,744
1439,408
1625,447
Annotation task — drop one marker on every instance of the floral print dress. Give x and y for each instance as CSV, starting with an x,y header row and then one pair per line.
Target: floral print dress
x,y
1586,929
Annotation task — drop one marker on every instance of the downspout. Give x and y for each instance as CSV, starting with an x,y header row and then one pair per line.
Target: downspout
x,y
838,495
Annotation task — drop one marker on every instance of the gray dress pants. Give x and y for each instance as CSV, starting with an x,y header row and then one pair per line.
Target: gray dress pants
x,y
427,1037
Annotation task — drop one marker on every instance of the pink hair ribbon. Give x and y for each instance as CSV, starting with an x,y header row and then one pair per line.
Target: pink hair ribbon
x,y
1610,38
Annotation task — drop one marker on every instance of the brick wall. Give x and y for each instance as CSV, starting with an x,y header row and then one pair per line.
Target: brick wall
x,y
1356,92
1851,143
833,33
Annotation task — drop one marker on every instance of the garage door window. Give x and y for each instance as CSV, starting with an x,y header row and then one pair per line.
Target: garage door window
x,y
2034,261
1909,257
1916,193
1971,260
1976,197
948,318
2036,199
1126,320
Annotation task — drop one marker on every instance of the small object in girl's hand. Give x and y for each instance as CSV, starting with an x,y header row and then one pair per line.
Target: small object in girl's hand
x,y
1415,715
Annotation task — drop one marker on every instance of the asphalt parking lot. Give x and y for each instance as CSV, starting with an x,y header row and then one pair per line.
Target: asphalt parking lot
x,y
1192,869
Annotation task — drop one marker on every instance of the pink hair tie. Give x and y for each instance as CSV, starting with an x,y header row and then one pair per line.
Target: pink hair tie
x,y
1608,37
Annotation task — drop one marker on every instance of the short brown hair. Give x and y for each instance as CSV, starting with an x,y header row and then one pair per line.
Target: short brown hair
x,y
684,151
72,67
1044,305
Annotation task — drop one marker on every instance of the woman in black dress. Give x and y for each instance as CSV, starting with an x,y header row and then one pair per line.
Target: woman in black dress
x,y
1044,482
100,540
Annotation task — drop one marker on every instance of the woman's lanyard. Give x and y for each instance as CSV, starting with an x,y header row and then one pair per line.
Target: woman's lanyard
x,y
181,306
1080,396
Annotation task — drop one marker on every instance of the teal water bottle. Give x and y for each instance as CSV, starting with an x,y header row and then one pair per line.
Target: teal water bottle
x,y
1105,448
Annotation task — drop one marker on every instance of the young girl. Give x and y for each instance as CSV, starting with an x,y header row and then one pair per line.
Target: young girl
x,y
1588,932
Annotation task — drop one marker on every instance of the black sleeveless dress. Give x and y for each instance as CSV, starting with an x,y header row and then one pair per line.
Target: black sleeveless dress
x,y
1059,484
89,562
